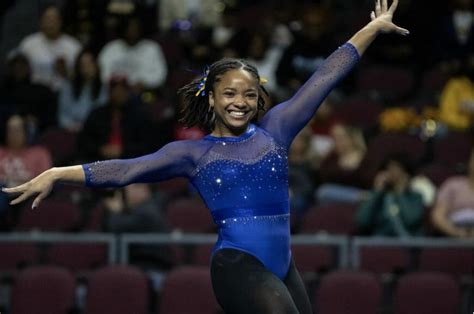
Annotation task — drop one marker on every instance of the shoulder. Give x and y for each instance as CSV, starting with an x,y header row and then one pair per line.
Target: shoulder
x,y
70,41
111,47
32,39
455,181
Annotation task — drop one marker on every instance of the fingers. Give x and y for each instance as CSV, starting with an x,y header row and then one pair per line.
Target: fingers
x,y
393,7
384,6
38,200
21,198
402,31
372,15
378,8
16,189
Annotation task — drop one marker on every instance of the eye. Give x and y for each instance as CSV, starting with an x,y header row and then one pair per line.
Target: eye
x,y
229,94
252,95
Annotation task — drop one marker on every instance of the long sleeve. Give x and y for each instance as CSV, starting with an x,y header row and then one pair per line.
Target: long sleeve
x,y
411,211
172,160
285,120
366,214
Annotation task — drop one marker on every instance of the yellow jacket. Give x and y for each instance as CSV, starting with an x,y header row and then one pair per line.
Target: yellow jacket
x,y
457,90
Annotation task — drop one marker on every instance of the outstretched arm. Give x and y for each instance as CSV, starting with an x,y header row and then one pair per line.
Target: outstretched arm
x,y
285,120
173,160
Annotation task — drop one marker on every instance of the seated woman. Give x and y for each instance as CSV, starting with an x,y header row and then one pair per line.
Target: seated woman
x,y
341,169
453,214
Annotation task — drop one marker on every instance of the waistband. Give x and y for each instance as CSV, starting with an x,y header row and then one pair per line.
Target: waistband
x,y
269,209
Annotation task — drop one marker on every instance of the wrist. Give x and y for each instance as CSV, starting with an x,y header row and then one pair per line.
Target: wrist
x,y
373,28
55,174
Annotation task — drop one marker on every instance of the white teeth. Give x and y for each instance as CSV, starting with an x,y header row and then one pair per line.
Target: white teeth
x,y
237,113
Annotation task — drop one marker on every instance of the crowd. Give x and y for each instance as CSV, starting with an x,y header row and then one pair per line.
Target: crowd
x,y
106,74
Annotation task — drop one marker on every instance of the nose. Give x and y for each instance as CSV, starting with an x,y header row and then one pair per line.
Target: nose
x,y
239,101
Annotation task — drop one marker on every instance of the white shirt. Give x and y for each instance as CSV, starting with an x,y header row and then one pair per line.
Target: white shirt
x,y
42,54
142,63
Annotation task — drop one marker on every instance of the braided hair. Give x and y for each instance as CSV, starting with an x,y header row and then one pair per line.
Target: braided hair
x,y
196,109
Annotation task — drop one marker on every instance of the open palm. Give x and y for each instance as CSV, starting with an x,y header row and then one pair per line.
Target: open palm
x,y
382,16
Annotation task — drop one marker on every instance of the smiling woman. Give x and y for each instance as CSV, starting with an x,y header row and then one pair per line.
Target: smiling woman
x,y
240,169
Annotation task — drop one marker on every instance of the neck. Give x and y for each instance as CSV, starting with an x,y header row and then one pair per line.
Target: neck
x,y
220,131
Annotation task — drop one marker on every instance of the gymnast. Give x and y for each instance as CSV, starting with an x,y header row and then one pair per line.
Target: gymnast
x,y
240,170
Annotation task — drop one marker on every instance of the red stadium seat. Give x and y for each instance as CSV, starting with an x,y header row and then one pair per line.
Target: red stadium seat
x,y
330,218
385,79
454,149
188,290
118,290
15,256
427,293
78,257
51,215
60,143
312,258
202,255
384,260
348,292
454,261
189,215
43,290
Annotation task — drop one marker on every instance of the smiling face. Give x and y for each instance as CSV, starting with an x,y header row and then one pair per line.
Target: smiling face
x,y
234,100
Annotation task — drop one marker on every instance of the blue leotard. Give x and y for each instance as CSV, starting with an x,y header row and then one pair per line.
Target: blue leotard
x,y
243,180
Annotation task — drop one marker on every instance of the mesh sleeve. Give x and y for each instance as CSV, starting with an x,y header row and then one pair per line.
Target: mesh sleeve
x,y
285,120
172,160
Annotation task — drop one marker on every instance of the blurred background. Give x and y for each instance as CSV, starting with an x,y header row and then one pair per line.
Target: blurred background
x,y
381,180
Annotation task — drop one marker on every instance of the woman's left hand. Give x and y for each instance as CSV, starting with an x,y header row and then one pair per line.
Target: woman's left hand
x,y
382,18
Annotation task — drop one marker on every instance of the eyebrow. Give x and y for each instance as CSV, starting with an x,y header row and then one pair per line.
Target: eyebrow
x,y
233,89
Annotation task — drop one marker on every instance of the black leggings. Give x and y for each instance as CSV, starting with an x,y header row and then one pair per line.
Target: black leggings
x,y
243,285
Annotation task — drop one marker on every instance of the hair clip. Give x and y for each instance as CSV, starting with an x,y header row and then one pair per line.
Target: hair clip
x,y
202,84
263,80
202,87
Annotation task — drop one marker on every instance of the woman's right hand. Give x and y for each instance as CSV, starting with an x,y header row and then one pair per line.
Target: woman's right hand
x,y
40,186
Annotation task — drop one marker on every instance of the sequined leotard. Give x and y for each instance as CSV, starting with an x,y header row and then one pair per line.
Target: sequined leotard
x,y
243,180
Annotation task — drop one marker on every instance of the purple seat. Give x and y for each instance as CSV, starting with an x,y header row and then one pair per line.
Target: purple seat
x,y
426,293
43,290
348,292
118,290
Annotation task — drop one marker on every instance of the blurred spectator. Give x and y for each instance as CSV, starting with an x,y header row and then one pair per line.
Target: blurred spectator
x,y
393,208
453,214
321,124
82,94
341,171
135,209
18,94
84,19
299,173
266,58
199,13
51,52
455,38
120,129
457,98
310,47
138,59
19,161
